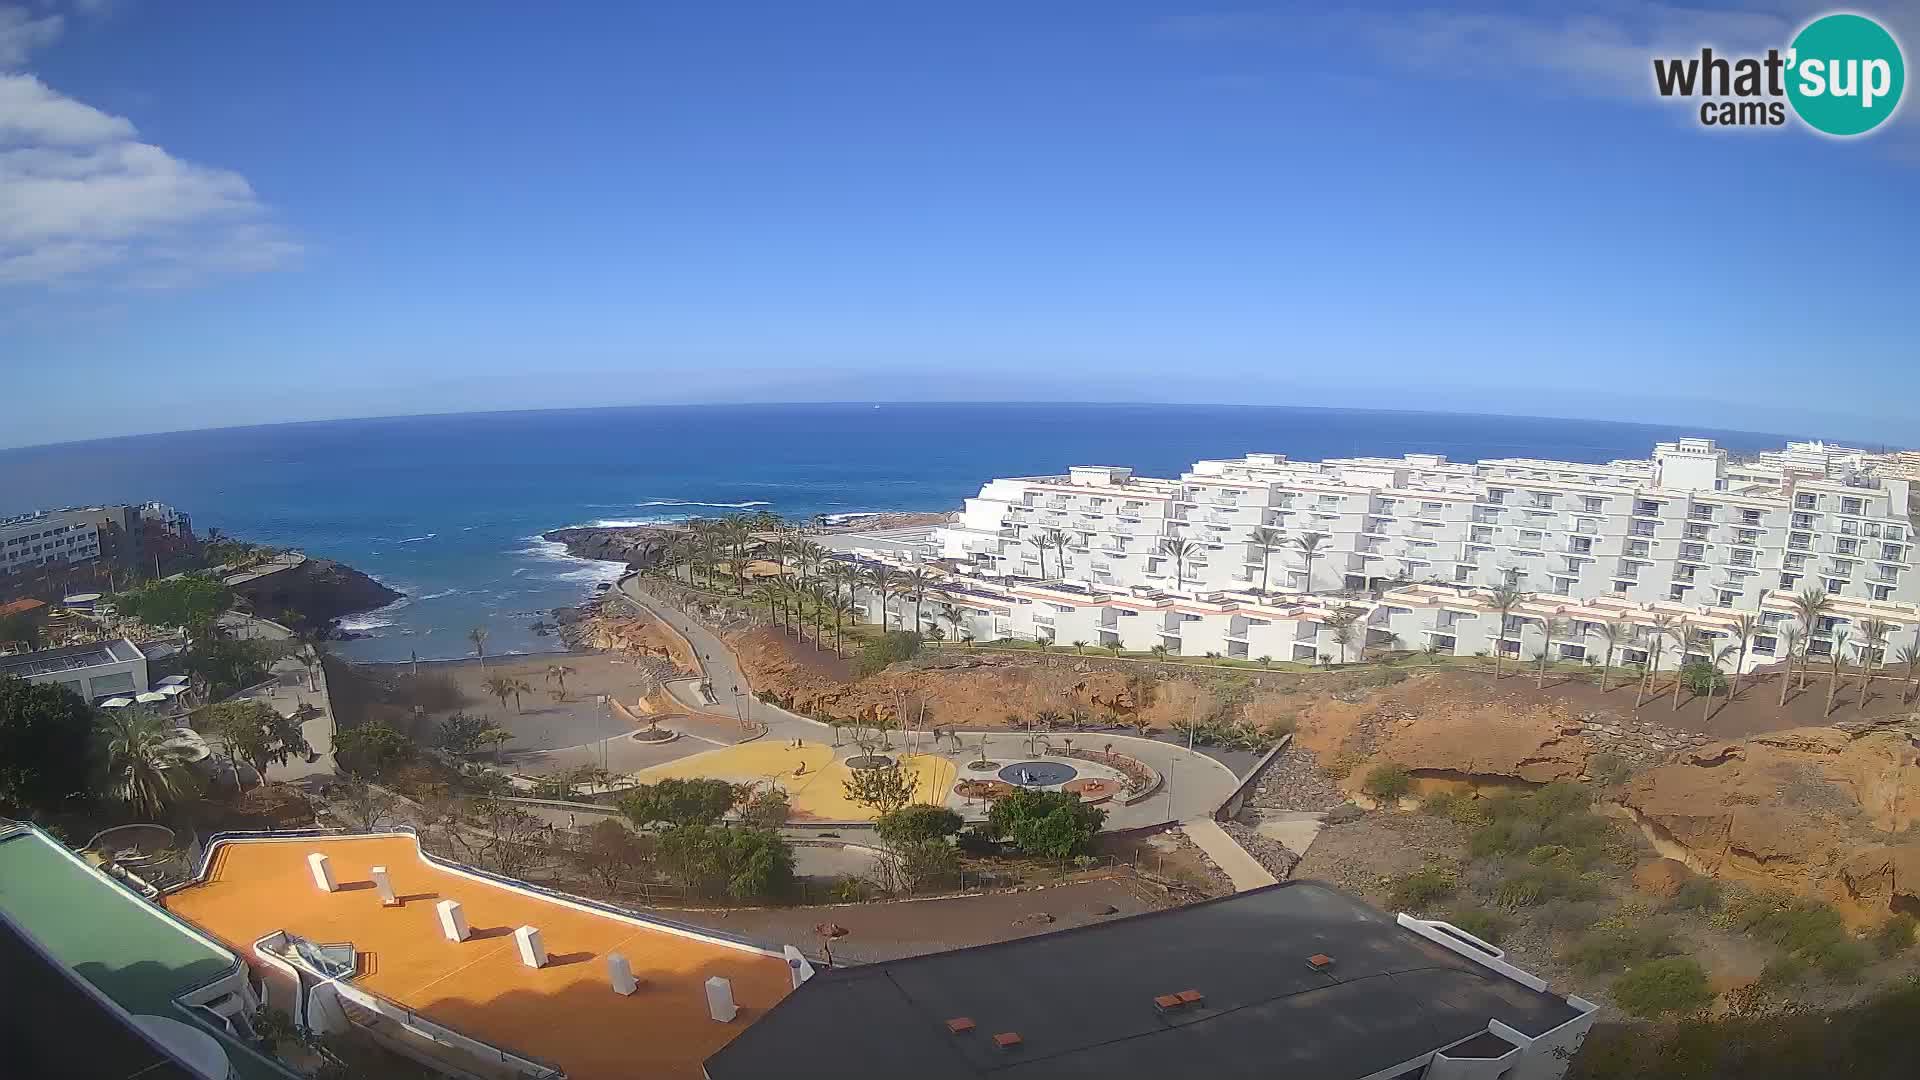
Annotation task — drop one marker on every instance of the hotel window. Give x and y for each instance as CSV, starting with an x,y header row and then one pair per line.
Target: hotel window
x,y
1751,517
1594,504
1678,592
1691,551
1883,592
1805,502
1641,549
1891,551
1835,584
1727,598
1846,547
1563,585
1803,521
1642,528
1646,506
1697,532
1851,506
1894,533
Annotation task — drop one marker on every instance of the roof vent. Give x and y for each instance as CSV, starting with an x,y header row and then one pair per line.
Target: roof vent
x,y
960,1025
1007,1040
1319,961
1191,997
1167,1001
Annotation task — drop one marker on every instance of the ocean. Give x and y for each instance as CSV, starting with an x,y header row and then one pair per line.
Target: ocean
x,y
448,509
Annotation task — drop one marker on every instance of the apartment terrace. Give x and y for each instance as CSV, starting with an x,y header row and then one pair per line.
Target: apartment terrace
x,y
565,1012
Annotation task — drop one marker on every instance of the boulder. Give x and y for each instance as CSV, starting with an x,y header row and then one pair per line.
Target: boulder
x,y
1661,878
1535,749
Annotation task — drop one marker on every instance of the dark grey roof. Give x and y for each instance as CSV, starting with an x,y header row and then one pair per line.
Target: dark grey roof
x,y
1082,1000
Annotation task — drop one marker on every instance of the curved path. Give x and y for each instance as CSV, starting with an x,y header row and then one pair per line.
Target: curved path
x,y
1193,784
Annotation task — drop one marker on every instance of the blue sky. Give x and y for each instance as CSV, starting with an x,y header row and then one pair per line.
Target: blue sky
x,y
223,213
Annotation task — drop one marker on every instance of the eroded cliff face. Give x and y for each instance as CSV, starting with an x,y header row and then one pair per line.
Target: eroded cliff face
x,y
1817,811
637,546
321,590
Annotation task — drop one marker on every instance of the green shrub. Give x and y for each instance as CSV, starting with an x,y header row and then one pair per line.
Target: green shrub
x,y
1783,971
1697,894
1697,675
1531,885
1423,888
889,648
1459,807
1608,769
1486,924
1809,929
918,822
1614,948
1053,824
1673,984
1387,782
1895,935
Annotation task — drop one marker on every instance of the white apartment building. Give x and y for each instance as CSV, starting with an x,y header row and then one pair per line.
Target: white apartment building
x,y
1412,545
32,540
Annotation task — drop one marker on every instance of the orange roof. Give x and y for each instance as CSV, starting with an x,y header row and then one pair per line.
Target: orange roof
x,y
565,1013
17,607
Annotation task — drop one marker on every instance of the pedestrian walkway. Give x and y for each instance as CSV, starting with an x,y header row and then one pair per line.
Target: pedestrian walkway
x,y
1241,868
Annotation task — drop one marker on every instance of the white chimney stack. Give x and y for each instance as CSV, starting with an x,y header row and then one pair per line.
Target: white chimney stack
x,y
797,967
322,871
385,884
620,973
453,920
533,952
720,1004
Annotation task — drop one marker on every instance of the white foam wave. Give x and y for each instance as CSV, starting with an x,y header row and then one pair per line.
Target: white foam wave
x,y
441,593
570,567
417,539
695,502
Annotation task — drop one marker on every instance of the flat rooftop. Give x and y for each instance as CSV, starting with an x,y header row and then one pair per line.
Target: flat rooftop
x,y
564,1013
127,948
70,658
1082,1000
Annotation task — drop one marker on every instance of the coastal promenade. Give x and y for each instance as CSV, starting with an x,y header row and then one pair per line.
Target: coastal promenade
x,y
288,686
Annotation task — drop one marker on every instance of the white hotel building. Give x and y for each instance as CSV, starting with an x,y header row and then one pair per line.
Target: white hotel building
x,y
1411,544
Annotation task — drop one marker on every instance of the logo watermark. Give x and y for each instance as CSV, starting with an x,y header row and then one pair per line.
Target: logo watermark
x,y
1843,75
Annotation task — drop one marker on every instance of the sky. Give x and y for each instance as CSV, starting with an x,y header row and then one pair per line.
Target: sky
x,y
234,213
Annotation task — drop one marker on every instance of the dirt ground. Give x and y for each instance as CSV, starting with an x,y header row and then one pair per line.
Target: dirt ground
x,y
890,930
538,722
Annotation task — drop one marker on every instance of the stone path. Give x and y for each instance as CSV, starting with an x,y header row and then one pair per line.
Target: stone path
x,y
1241,868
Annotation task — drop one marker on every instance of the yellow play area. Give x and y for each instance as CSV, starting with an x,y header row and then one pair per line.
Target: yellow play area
x,y
812,774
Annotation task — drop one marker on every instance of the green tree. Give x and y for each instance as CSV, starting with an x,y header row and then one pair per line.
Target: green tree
x,y
499,687
611,853
557,675
191,601
20,628
478,635
139,769
464,735
1811,605
890,647
1179,551
882,788
881,579
679,802
1309,546
1615,634
1263,541
1505,598
256,733
912,824
371,749
1052,824
46,731
747,864
769,808
222,664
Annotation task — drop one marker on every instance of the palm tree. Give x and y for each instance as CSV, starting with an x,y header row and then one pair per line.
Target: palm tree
x,y
1872,650
881,579
1810,605
1308,545
1342,623
768,593
478,635
1041,542
1265,540
499,686
739,534
1179,551
842,609
953,613
1615,634
1682,633
917,580
1657,630
1833,659
1791,638
140,769
1743,629
1060,539
1713,676
1505,598
1550,628
557,673
1909,656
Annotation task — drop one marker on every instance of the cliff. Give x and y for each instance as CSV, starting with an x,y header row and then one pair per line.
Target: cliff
x,y
321,590
636,546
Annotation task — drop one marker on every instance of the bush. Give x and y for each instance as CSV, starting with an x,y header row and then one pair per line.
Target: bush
x,y
912,824
1387,782
1783,971
371,749
1608,769
1697,894
1459,807
1618,947
767,809
1053,824
1422,889
746,864
1532,885
1486,924
889,648
675,801
1809,929
1895,935
1698,675
1673,984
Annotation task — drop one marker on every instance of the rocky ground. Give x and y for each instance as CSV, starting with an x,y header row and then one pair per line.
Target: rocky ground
x,y
1270,854
1295,781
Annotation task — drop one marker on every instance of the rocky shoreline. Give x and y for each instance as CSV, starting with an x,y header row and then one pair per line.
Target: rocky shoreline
x,y
640,546
321,591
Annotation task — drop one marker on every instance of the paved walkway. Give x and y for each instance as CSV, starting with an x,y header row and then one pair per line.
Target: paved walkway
x,y
1241,868
1193,784
290,686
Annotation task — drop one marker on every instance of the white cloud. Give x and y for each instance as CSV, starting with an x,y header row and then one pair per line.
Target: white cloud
x,y
84,200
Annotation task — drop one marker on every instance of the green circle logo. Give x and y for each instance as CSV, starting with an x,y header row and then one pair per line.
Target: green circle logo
x,y
1845,74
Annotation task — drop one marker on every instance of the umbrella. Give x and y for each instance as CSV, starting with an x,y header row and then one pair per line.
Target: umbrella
x,y
149,698
172,690
116,703
173,680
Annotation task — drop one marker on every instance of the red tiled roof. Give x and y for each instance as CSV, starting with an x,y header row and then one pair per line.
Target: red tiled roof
x,y
19,607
